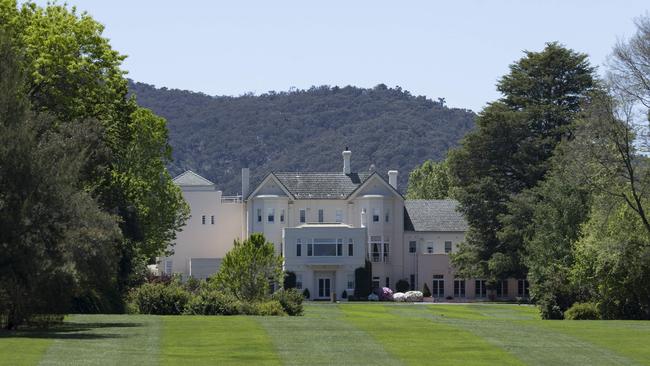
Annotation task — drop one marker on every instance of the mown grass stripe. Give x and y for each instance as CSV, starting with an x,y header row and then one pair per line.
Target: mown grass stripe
x,y
104,340
23,348
324,337
215,340
417,341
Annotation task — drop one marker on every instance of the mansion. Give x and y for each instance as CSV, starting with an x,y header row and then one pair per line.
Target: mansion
x,y
326,224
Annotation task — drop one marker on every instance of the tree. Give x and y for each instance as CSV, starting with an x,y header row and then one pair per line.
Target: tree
x,y
430,181
74,75
289,280
56,242
247,270
509,152
363,281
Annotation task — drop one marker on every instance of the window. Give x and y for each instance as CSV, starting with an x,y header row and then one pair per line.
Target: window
x,y
350,247
168,267
523,288
259,215
282,215
502,288
212,219
328,247
375,215
298,247
438,288
447,247
270,217
375,282
388,282
413,246
303,216
321,215
459,288
429,247
339,215
412,282
479,288
375,248
310,249
386,251
387,215
299,281
203,220
350,281
339,247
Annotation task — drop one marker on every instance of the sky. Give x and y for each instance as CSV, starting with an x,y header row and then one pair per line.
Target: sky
x,y
451,49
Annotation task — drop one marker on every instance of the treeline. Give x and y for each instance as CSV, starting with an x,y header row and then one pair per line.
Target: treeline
x,y
554,182
304,130
85,199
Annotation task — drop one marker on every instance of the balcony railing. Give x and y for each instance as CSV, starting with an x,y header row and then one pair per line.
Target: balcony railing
x,y
231,199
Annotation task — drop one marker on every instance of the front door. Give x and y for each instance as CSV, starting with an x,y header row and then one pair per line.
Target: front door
x,y
324,287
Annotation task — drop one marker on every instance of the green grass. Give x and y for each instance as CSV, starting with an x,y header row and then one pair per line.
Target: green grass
x,y
346,334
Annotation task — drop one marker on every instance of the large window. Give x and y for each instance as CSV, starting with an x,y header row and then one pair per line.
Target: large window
x,y
350,247
438,288
270,215
447,247
502,288
386,252
523,288
459,288
299,281
375,282
328,247
479,288
310,249
339,216
321,215
379,250
303,216
413,246
351,281
298,247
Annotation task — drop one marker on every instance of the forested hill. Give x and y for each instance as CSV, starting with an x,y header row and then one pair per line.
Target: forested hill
x,y
303,130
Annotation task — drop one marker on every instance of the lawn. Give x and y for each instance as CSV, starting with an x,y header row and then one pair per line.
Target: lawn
x,y
346,334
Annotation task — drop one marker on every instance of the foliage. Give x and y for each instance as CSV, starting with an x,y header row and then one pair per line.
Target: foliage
x,y
160,299
303,130
291,301
402,285
386,294
247,269
211,302
426,292
582,311
344,294
509,151
430,181
363,281
265,308
289,280
306,294
399,297
414,296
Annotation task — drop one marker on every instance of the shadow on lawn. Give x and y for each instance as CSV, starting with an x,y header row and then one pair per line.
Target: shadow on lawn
x,y
70,331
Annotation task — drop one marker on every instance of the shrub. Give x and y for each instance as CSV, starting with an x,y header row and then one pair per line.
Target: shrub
x,y
399,297
402,285
267,308
291,301
289,280
344,294
160,299
386,294
413,296
583,311
363,280
425,291
373,297
306,294
211,302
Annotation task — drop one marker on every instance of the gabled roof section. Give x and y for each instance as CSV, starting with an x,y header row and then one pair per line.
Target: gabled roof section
x,y
433,215
191,179
381,179
320,185
267,178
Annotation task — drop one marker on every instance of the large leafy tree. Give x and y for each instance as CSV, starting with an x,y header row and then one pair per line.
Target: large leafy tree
x,y
73,74
509,152
429,181
55,240
248,269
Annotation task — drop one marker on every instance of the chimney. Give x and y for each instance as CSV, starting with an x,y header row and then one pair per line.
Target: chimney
x,y
392,178
346,160
245,182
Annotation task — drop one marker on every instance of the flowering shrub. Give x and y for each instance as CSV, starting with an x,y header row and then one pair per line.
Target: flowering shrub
x,y
413,296
386,294
373,297
399,297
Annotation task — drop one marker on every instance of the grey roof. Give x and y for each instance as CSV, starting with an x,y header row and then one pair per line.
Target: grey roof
x,y
189,178
317,185
433,215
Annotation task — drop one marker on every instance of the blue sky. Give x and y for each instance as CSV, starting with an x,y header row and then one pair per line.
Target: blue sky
x,y
451,49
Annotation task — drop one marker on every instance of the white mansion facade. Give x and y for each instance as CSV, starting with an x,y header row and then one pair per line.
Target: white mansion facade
x,y
326,225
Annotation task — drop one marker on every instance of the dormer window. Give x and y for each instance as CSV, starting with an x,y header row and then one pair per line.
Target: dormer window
x,y
303,216
321,215
339,216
